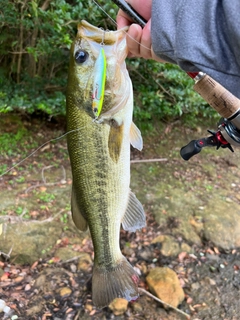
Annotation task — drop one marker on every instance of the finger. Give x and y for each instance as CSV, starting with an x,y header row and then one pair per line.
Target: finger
x,y
123,19
133,39
146,42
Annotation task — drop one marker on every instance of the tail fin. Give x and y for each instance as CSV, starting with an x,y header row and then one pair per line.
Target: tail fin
x,y
120,281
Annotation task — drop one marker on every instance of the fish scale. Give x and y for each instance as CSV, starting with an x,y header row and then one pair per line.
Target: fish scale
x,y
99,153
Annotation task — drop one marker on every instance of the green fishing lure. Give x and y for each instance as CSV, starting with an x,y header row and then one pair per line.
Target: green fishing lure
x,y
99,83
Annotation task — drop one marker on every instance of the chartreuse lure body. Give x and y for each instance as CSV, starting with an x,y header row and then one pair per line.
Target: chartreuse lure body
x,y
99,82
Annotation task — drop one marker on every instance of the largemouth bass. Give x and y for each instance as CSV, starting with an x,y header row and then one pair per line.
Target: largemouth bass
x,y
99,151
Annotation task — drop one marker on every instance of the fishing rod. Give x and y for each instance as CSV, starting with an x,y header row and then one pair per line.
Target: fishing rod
x,y
218,97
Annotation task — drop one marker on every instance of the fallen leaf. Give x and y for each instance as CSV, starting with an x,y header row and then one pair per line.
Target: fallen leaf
x,y
34,265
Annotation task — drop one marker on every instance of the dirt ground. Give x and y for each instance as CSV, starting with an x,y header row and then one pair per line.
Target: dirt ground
x,y
50,287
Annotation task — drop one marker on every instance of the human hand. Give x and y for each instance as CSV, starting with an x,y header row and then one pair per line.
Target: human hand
x,y
138,40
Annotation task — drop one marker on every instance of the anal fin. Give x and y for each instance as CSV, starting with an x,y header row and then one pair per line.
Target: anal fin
x,y
134,217
77,216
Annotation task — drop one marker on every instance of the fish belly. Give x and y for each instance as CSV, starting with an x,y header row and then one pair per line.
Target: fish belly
x,y
101,188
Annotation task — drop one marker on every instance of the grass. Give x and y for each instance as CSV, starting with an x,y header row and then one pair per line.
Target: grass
x,y
47,197
11,144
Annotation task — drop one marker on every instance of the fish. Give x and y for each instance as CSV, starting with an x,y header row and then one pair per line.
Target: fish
x,y
99,152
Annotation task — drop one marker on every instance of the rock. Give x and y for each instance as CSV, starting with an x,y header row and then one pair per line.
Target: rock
x,y
178,205
169,246
146,254
158,239
222,224
65,253
186,248
29,240
119,306
164,283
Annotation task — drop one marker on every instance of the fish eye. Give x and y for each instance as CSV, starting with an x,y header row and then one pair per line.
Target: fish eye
x,y
81,56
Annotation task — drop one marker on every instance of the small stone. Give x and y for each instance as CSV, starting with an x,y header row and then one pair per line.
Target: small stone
x,y
27,287
119,306
169,246
128,251
73,268
146,254
195,286
88,307
142,268
6,309
65,292
164,283
189,300
18,279
2,305
85,262
136,307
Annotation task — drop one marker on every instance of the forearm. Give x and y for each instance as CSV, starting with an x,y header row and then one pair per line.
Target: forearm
x,y
200,35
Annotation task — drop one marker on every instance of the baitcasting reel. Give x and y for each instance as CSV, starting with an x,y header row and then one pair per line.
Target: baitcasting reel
x,y
226,136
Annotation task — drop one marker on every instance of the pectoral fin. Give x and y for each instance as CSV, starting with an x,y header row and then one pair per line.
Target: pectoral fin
x,y
78,218
134,217
136,137
115,141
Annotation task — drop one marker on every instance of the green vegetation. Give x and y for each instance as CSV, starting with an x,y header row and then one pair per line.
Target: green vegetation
x,y
10,142
35,39
47,197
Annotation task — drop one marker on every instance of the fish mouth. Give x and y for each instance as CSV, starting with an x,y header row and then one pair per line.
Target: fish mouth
x,y
92,40
87,30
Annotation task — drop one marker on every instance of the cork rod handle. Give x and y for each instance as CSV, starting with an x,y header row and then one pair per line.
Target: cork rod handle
x,y
225,103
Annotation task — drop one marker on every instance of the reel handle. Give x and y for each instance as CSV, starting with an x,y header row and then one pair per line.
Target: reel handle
x,y
192,148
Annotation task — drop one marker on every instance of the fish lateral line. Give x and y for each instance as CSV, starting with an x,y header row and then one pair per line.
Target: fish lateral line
x,y
36,150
